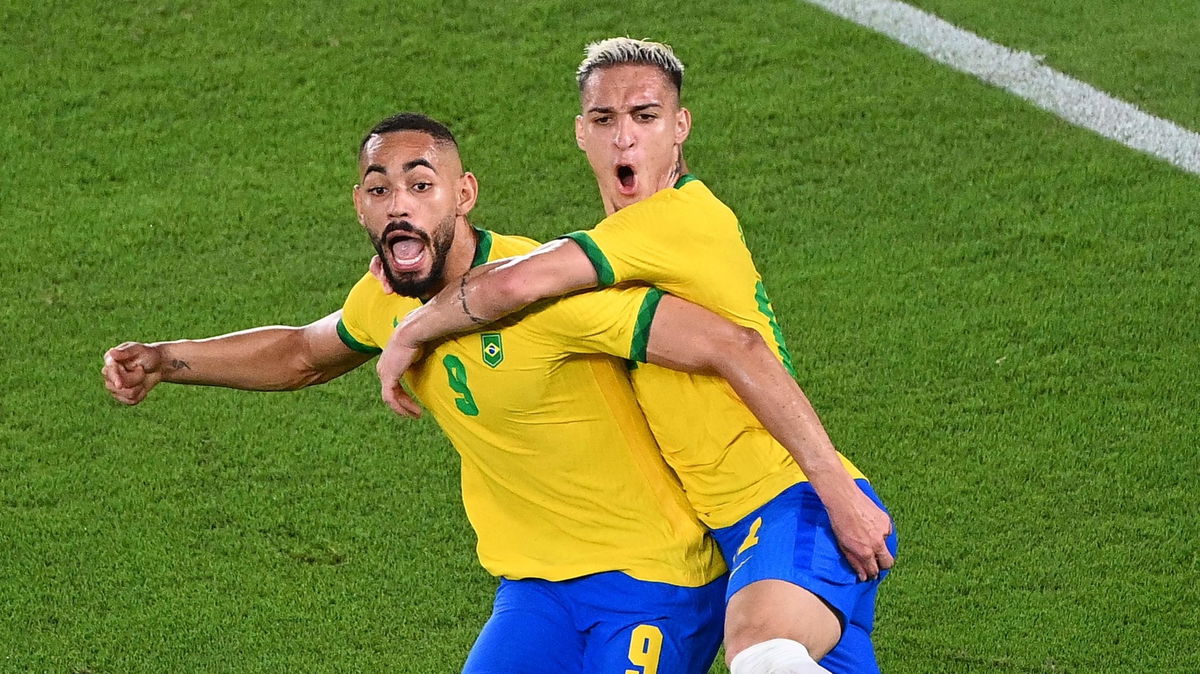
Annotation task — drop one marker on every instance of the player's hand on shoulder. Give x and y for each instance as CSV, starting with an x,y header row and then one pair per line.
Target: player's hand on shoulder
x,y
377,271
130,370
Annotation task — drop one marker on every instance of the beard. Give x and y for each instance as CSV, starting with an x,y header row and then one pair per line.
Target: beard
x,y
415,283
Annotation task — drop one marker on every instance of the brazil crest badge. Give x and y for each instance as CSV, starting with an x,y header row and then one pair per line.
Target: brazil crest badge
x,y
493,348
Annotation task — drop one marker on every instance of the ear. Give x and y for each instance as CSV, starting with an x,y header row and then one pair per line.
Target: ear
x,y
468,192
579,131
377,272
357,194
683,125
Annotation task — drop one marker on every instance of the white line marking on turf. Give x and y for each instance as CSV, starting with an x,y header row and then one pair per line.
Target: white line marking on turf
x,y
1023,74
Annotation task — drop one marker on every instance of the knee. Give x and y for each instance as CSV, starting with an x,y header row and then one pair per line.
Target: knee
x,y
745,628
783,611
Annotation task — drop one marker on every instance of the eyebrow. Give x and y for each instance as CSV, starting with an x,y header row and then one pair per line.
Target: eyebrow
x,y
605,110
410,165
406,167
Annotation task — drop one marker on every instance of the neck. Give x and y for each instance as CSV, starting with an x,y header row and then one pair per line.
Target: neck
x,y
679,170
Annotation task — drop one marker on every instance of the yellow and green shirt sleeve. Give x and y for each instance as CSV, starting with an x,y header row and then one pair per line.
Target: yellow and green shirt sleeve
x,y
353,326
614,321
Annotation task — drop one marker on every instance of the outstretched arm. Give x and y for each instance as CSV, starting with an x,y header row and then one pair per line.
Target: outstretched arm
x,y
273,358
688,337
485,294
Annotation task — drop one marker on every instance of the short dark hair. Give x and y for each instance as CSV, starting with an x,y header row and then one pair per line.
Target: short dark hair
x,y
411,121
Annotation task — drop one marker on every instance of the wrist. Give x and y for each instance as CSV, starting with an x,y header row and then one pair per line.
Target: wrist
x,y
832,483
169,362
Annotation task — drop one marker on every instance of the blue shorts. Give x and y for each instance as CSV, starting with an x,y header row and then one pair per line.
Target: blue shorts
x,y
607,623
790,538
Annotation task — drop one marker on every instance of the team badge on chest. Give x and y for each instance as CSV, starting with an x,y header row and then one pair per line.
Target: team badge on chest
x,y
493,348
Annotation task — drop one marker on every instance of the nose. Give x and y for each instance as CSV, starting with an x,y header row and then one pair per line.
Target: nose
x,y
398,205
623,133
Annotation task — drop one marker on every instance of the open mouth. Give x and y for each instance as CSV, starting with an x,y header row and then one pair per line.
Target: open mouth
x,y
626,179
407,250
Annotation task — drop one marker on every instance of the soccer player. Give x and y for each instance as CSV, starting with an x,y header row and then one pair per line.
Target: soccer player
x,y
780,507
604,565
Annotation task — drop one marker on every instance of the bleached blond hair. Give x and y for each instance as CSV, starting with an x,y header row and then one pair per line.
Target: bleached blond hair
x,y
617,51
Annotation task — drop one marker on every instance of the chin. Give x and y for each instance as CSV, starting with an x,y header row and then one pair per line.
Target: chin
x,y
410,284
619,200
623,201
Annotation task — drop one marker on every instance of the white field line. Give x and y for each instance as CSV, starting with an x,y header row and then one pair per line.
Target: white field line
x,y
1023,74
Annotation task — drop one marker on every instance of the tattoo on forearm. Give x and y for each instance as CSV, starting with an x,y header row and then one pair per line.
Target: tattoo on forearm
x,y
179,365
462,299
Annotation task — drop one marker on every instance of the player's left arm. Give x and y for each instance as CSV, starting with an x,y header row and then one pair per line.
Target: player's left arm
x,y
485,294
685,336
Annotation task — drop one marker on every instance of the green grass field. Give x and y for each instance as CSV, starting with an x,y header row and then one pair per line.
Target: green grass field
x,y
995,313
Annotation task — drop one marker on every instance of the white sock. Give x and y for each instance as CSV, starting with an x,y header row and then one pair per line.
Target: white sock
x,y
776,656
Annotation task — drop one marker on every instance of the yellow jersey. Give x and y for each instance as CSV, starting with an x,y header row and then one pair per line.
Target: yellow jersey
x,y
561,477
688,243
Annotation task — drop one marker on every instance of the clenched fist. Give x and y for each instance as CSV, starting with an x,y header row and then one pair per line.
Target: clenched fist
x,y
131,370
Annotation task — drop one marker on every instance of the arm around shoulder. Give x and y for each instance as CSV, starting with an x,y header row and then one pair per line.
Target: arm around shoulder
x,y
485,294
690,338
494,290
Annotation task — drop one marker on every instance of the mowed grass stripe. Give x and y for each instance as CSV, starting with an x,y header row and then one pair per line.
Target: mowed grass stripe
x,y
1024,75
1140,52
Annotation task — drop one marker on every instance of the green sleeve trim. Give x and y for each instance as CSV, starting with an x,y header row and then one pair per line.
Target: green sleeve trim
x,y
684,179
604,272
641,330
764,307
349,340
483,247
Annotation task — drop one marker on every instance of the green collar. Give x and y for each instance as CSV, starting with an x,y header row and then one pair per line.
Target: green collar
x,y
483,247
684,179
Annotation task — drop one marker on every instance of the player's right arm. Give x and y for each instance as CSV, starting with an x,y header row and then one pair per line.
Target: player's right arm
x,y
647,325
690,338
276,358
485,294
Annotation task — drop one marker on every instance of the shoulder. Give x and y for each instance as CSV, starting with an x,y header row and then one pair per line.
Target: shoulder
x,y
367,297
690,203
696,196
592,305
493,246
365,288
